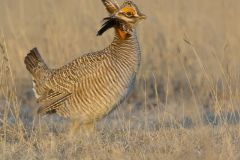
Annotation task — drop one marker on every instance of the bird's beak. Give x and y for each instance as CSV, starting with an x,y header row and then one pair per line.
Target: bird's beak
x,y
142,16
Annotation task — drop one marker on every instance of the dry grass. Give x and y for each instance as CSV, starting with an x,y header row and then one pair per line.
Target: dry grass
x,y
185,105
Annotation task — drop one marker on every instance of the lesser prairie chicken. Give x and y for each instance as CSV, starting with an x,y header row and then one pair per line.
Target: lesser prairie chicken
x,y
89,87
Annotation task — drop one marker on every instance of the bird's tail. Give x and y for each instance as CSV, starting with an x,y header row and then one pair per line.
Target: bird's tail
x,y
34,62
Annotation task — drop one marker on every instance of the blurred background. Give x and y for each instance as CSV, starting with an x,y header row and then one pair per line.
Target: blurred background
x,y
172,70
190,69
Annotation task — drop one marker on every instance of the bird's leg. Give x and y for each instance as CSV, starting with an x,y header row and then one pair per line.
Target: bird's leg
x,y
74,127
78,128
88,127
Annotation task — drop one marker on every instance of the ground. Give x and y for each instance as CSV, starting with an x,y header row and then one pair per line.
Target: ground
x,y
185,104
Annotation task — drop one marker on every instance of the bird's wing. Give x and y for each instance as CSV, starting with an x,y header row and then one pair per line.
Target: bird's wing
x,y
67,77
63,83
53,103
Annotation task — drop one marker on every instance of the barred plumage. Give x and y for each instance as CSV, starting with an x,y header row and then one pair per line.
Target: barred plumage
x,y
90,86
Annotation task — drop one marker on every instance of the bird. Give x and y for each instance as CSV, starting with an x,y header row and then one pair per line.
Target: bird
x,y
86,89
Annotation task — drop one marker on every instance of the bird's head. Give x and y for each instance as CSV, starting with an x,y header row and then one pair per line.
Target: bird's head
x,y
123,18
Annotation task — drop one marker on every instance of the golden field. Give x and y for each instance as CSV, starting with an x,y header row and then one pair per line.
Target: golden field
x,y
185,104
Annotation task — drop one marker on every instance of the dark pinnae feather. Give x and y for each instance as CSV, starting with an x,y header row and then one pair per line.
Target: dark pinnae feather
x,y
109,23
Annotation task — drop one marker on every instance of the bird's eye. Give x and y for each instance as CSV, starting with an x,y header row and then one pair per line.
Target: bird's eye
x,y
129,14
